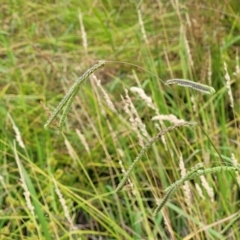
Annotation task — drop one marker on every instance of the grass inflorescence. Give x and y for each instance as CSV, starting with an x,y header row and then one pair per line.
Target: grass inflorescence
x,y
194,85
69,97
192,174
144,149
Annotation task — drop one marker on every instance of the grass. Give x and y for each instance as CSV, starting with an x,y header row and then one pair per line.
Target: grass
x,y
64,186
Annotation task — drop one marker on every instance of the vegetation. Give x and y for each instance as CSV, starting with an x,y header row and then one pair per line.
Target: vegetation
x,y
128,162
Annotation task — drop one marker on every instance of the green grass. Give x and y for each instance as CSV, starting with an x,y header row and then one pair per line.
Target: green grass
x,y
72,177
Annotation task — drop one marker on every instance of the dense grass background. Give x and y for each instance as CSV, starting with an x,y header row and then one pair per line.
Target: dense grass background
x,y
71,177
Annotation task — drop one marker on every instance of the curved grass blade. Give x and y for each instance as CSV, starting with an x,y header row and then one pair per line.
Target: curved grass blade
x,y
72,92
194,85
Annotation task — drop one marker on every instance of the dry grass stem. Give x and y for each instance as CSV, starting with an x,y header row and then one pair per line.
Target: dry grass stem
x,y
186,187
63,203
83,32
207,187
228,85
27,194
144,97
17,133
83,141
105,94
171,118
142,26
